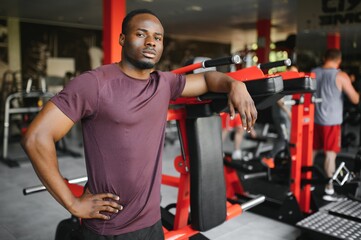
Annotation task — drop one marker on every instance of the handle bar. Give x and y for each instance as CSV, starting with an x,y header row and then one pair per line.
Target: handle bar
x,y
41,188
235,59
286,62
252,203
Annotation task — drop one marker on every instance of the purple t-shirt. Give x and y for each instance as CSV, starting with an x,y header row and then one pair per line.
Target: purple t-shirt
x,y
123,121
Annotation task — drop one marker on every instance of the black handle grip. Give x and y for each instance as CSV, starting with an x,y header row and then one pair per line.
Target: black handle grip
x,y
235,59
286,62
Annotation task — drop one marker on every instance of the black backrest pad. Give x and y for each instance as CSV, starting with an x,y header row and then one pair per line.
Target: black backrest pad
x,y
208,191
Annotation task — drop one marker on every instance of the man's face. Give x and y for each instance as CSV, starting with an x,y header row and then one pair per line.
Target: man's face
x,y
143,42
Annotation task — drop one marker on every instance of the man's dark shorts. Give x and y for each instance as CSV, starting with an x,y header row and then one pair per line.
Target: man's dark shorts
x,y
154,232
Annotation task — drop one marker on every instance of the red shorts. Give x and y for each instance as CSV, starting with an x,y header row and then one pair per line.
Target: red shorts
x,y
227,123
327,138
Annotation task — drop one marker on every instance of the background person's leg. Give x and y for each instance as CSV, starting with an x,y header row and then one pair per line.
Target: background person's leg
x,y
238,137
330,166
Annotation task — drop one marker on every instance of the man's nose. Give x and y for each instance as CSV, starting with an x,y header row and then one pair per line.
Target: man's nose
x,y
150,42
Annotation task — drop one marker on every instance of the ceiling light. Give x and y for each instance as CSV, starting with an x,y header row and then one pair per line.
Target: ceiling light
x,y
195,8
147,1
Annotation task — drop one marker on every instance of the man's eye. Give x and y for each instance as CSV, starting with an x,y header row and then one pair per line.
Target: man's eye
x,y
158,38
140,35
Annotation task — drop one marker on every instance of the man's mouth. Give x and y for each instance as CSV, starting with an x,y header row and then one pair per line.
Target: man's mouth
x,y
148,53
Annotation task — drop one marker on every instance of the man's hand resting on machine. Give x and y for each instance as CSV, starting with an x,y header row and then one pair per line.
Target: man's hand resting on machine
x,y
239,98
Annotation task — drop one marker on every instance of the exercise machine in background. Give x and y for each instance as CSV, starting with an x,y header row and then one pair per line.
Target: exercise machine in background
x,y
19,109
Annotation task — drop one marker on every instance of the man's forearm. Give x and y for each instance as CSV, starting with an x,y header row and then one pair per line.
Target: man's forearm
x,y
218,82
44,160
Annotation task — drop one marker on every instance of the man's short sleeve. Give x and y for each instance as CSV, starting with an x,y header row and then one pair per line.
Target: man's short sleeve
x,y
177,83
79,98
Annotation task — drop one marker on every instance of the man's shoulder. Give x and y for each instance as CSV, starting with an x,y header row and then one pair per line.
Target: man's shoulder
x,y
342,75
105,68
164,73
104,72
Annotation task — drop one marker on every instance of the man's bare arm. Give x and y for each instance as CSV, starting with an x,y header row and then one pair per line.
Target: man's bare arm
x,y
346,86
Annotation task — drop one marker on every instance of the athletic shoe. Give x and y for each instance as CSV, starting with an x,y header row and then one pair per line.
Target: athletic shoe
x,y
333,197
237,155
329,191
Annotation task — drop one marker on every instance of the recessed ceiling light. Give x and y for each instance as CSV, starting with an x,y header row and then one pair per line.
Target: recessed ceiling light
x,y
195,8
147,0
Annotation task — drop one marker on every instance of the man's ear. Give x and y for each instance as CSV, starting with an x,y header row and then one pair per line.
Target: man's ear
x,y
121,39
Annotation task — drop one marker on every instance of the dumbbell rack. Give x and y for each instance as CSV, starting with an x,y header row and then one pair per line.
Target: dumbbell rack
x,y
338,220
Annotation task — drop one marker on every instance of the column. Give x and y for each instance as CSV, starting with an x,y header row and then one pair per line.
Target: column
x,y
264,30
333,40
113,13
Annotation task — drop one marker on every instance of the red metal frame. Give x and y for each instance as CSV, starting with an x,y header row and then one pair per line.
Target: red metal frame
x,y
301,152
76,189
188,68
302,141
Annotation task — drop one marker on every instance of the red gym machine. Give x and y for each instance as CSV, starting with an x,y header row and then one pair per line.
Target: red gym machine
x,y
301,86
196,143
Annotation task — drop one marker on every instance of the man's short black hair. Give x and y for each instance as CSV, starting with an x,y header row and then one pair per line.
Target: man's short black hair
x,y
332,54
133,13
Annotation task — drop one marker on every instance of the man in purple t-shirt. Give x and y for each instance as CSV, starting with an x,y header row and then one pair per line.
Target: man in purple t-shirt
x,y
123,109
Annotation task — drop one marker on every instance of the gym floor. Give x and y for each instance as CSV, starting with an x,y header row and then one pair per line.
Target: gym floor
x,y
36,216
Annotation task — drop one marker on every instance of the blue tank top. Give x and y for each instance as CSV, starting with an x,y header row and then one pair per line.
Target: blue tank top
x,y
330,110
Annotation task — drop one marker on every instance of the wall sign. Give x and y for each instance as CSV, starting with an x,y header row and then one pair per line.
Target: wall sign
x,y
328,14
340,12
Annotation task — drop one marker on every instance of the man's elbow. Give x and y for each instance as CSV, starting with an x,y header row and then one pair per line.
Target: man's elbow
x,y
31,141
356,99
27,141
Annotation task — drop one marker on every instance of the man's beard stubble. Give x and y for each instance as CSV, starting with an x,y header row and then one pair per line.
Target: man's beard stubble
x,y
143,65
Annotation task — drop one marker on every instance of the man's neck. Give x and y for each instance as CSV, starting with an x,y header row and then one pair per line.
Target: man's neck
x,y
131,71
330,64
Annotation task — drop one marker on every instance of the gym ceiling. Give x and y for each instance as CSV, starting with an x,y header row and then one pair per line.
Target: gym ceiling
x,y
218,21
